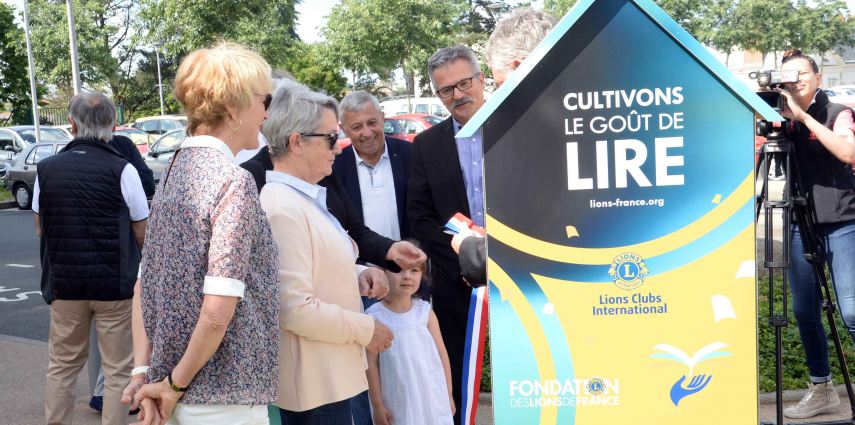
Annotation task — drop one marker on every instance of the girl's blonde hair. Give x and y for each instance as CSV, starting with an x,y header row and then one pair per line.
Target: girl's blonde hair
x,y
209,80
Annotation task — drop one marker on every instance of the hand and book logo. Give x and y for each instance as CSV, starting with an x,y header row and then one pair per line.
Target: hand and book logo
x,y
696,383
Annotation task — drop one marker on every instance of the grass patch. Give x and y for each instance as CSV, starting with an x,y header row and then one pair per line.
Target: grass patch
x,y
5,194
795,371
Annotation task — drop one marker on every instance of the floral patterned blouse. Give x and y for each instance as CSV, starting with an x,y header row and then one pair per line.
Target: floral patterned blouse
x,y
207,234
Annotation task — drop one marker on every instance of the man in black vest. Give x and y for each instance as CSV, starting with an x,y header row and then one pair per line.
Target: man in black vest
x,y
91,214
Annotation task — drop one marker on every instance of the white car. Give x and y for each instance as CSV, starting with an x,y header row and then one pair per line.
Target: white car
x,y
842,95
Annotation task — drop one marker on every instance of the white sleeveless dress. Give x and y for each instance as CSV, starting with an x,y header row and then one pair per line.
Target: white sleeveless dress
x,y
411,374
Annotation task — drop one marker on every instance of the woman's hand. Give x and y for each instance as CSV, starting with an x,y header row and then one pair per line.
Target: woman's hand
x,y
373,283
382,416
453,406
792,110
381,340
162,394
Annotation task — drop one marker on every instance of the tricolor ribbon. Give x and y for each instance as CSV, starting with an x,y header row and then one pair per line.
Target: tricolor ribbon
x,y
473,355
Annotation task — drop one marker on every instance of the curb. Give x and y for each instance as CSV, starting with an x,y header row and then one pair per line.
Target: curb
x,y
7,204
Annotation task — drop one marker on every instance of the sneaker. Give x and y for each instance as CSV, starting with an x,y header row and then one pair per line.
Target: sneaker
x,y
97,403
819,398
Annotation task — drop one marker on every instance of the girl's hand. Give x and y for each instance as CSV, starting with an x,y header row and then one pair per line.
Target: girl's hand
x,y
382,416
137,381
148,415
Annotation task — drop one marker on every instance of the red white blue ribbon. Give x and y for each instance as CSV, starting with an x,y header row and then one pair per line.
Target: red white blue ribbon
x,y
473,355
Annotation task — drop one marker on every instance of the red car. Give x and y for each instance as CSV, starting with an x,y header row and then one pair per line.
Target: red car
x,y
413,124
141,139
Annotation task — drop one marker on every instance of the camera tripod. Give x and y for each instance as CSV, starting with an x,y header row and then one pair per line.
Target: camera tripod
x,y
793,205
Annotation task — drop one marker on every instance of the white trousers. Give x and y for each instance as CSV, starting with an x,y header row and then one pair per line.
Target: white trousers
x,y
205,414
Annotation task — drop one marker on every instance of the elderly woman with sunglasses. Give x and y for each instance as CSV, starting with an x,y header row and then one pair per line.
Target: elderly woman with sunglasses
x,y
324,333
205,313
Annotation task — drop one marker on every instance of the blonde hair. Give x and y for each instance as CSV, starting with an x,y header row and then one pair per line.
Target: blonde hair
x,y
209,80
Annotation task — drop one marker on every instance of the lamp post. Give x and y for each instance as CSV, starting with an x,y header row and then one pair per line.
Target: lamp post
x,y
72,36
32,72
159,81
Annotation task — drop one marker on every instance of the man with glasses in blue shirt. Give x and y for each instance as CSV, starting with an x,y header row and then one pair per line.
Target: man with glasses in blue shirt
x,y
446,177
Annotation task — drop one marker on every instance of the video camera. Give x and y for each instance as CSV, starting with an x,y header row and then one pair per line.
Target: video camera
x,y
769,81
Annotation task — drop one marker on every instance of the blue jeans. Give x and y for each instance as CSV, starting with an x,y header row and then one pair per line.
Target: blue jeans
x,y
837,242
337,413
361,409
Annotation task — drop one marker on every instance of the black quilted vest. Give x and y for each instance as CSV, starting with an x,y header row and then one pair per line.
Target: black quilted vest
x,y
828,182
88,249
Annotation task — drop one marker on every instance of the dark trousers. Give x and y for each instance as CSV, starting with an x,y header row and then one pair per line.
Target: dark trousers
x,y
337,413
453,315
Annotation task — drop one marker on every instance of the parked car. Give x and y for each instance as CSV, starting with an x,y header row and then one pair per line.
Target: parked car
x,y
21,176
66,128
843,96
161,124
14,140
158,156
413,124
392,128
141,139
414,105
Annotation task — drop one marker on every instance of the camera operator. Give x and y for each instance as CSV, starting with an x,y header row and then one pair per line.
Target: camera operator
x,y
824,137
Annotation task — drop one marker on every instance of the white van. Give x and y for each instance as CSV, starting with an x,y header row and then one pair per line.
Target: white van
x,y
416,105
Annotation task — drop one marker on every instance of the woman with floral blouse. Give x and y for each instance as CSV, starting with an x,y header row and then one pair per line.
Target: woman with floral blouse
x,y
205,315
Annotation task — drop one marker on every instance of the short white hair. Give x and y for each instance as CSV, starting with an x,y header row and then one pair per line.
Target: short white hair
x,y
515,36
356,100
94,115
293,109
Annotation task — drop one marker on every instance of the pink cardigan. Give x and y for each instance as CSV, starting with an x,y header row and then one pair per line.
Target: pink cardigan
x,y
323,330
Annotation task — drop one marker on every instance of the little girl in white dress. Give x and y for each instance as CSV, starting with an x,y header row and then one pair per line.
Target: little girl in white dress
x,y
410,383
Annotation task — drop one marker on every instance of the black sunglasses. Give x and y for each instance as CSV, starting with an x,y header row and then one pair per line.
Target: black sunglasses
x,y
267,100
332,138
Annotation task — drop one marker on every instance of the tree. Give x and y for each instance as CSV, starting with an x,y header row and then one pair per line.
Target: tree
x,y
558,8
757,25
821,28
102,27
717,29
378,36
310,64
14,79
141,96
181,26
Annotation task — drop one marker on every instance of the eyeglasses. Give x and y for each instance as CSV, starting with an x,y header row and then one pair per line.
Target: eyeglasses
x,y
267,100
332,138
461,85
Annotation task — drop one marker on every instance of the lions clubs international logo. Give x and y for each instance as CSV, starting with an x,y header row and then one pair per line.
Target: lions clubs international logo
x,y
628,271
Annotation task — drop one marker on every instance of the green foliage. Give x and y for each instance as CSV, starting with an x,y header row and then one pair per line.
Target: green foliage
x,y
141,97
558,8
378,36
311,65
98,33
821,27
795,371
181,26
14,80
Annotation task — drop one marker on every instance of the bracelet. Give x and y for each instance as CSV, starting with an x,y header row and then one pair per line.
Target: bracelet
x,y
176,388
138,370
